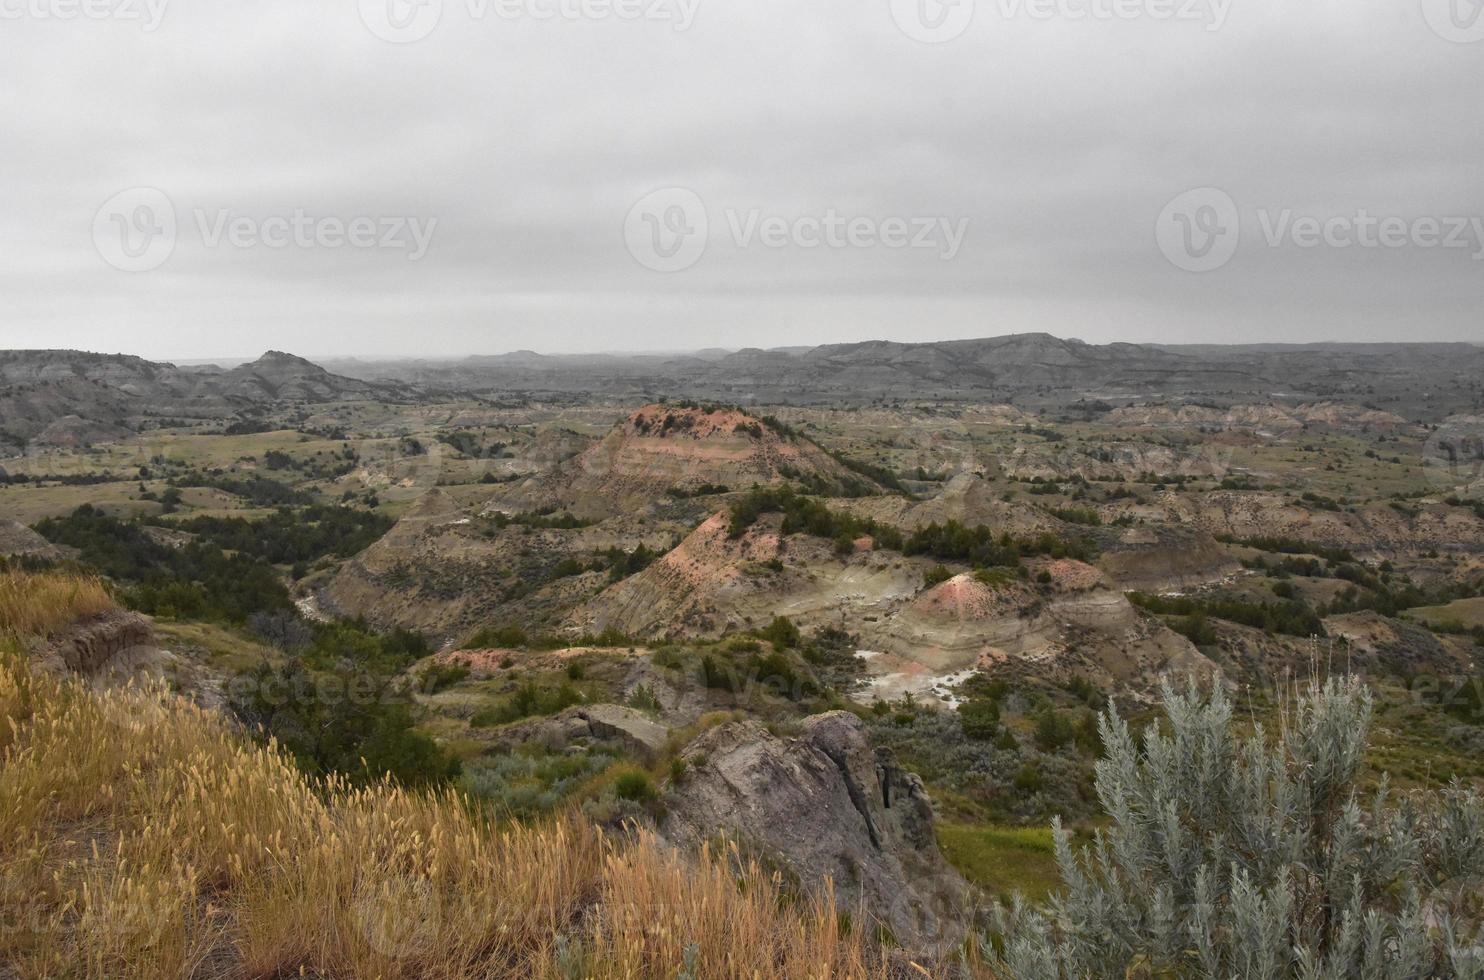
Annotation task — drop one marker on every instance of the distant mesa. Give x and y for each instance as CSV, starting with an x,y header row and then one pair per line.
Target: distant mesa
x,y
73,398
1032,370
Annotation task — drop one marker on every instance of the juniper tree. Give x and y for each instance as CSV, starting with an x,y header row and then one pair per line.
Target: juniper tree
x,y
1252,857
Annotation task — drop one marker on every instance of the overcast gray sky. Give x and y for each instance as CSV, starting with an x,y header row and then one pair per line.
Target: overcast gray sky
x,y
1030,152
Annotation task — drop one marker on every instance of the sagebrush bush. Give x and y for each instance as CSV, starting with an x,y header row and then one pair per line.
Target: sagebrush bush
x,y
1245,857
531,782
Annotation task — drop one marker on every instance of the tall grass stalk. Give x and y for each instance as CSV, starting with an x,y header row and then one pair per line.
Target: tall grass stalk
x,y
143,836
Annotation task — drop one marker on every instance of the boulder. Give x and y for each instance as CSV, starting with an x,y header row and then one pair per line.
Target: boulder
x,y
826,806
634,731
637,732
19,541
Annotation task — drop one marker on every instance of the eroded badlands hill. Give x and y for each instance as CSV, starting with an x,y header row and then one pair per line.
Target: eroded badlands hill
x,y
73,398
671,451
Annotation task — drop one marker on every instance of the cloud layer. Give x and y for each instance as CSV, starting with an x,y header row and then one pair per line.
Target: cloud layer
x,y
524,132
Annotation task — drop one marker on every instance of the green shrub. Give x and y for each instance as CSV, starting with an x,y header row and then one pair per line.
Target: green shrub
x,y
528,701
1028,779
354,724
1196,628
716,676
634,785
286,536
979,718
782,633
741,644
496,638
982,546
776,671
439,677
643,699
1078,515
997,577
531,781
198,580
1291,617
804,515
1053,730
936,575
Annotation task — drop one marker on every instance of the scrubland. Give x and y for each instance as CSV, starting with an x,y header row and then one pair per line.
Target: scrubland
x,y
143,836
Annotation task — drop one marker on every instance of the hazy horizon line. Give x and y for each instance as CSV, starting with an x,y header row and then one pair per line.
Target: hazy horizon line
x,y
238,359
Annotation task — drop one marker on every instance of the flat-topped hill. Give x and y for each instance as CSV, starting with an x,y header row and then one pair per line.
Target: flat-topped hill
x,y
660,452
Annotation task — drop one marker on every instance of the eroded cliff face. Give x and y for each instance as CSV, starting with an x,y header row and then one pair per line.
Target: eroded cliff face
x,y
827,807
92,645
117,647
1158,558
690,589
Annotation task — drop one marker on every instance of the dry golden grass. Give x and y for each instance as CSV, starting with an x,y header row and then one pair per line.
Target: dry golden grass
x,y
141,836
42,603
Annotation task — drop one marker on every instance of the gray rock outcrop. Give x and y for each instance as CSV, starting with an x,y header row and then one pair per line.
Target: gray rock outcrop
x,y
19,541
827,806
634,731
